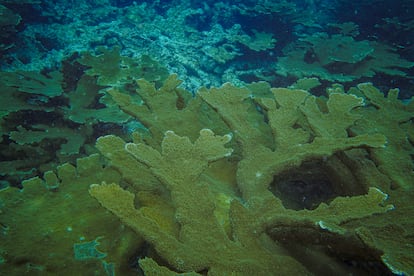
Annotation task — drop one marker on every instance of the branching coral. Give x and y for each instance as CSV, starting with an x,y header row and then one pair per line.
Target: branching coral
x,y
121,69
340,58
48,85
393,118
228,180
298,128
83,104
41,223
157,109
201,244
206,180
55,114
300,131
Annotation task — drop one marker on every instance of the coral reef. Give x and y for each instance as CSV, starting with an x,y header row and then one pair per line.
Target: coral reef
x,y
395,160
55,215
52,117
225,179
246,180
303,129
340,58
123,153
212,42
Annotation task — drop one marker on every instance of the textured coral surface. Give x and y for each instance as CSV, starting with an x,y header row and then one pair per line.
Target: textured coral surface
x,y
253,180
206,137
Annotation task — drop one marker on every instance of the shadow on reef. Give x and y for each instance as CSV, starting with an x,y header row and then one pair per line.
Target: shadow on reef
x,y
331,254
312,183
328,255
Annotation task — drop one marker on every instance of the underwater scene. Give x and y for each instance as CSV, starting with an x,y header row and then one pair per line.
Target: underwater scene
x,y
190,137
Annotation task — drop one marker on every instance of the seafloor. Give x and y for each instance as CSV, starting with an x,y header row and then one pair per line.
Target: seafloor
x,y
207,137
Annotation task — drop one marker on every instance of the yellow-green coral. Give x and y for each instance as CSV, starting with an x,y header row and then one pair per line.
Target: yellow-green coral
x,y
204,244
200,244
158,109
301,131
201,180
340,58
393,118
299,127
41,223
121,69
34,82
82,104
